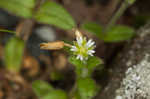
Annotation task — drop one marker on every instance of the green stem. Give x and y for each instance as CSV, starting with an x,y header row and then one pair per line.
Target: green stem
x,y
117,15
73,91
84,73
8,31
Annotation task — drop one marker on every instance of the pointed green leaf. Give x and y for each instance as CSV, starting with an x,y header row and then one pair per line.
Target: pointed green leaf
x,y
78,63
92,27
53,13
56,94
41,88
118,33
87,88
13,54
19,7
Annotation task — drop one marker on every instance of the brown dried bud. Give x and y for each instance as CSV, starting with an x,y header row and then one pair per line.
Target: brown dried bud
x,y
52,45
78,33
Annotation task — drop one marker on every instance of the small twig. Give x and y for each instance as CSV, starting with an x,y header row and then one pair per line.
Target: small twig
x,y
24,28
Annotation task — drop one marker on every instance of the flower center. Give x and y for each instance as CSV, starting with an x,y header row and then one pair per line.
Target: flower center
x,y
83,51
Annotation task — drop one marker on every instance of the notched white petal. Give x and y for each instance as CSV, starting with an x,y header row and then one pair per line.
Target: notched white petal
x,y
89,42
91,52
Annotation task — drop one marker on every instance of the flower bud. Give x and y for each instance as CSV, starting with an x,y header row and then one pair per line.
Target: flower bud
x,y
52,45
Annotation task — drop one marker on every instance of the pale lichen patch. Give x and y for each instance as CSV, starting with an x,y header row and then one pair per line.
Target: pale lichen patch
x,y
136,84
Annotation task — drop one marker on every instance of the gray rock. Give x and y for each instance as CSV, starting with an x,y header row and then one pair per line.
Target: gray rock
x,y
130,77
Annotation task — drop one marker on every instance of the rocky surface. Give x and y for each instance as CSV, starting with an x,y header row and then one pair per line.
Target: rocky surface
x,y
130,76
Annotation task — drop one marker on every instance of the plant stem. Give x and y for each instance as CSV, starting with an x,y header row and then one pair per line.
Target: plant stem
x,y
8,31
74,89
117,15
72,92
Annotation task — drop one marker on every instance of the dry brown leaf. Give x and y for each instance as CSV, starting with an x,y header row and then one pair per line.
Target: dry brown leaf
x,y
31,64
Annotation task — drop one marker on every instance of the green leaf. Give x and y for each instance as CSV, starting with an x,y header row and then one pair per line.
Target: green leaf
x,y
92,62
41,88
19,7
118,33
86,88
79,65
56,94
88,66
53,13
92,27
76,95
13,54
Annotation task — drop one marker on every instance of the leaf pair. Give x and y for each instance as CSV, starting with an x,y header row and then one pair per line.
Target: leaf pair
x,y
90,64
116,33
48,13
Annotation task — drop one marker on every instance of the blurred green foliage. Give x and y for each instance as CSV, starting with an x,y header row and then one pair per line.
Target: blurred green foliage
x,y
86,88
41,88
45,91
22,8
56,94
116,33
49,12
13,54
92,27
53,13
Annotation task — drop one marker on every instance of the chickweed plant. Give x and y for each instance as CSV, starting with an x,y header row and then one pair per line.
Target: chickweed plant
x,y
85,62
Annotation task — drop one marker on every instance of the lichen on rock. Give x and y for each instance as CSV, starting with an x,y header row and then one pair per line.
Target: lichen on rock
x,y
136,84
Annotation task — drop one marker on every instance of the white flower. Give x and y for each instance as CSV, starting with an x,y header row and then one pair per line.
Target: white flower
x,y
83,48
